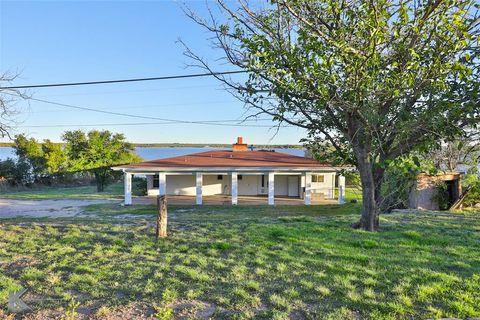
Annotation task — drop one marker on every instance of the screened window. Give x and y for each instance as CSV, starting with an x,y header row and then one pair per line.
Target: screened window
x,y
318,178
156,182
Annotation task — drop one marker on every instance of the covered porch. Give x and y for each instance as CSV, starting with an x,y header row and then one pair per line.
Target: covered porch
x,y
240,187
226,200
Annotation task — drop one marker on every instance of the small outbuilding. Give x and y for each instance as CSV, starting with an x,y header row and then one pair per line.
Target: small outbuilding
x,y
435,192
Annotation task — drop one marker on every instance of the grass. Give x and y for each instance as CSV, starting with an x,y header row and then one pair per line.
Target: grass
x,y
246,262
113,191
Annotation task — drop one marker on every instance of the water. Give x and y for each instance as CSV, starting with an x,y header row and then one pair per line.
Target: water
x,y
6,153
160,153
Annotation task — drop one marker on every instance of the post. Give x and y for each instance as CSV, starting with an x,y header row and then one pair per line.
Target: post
x,y
271,188
341,189
162,184
161,231
308,188
199,181
234,188
127,185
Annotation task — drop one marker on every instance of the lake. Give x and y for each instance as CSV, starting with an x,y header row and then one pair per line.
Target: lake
x,y
160,153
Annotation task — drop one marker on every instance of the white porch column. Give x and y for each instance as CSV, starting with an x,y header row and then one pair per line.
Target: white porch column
x,y
162,183
341,189
234,188
127,187
271,188
308,188
199,179
302,186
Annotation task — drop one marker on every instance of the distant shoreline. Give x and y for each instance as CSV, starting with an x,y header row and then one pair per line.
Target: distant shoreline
x,y
193,145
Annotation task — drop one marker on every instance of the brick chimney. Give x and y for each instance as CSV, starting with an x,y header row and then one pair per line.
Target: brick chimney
x,y
239,146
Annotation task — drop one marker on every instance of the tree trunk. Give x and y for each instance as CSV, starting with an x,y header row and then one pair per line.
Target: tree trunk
x,y
369,219
161,231
99,181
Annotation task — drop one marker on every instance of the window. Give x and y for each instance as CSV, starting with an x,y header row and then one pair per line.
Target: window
x,y
263,181
240,177
318,178
219,177
156,182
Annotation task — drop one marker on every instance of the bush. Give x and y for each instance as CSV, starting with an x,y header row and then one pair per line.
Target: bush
x,y
140,186
472,181
16,173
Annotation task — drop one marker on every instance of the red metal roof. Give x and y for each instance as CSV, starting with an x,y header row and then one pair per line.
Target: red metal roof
x,y
227,158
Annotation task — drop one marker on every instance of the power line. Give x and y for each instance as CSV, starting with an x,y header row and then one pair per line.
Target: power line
x,y
69,84
139,124
163,120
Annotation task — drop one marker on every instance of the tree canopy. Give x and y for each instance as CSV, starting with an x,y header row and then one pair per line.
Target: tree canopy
x,y
96,151
375,80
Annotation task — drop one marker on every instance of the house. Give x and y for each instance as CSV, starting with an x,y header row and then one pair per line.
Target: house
x,y
240,171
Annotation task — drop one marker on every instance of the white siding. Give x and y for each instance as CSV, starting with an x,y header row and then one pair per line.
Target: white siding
x,y
327,187
281,185
248,185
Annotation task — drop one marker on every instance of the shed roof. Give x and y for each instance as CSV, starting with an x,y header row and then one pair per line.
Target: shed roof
x,y
230,159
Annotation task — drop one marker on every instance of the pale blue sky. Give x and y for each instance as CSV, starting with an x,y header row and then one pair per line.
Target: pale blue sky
x,y
68,41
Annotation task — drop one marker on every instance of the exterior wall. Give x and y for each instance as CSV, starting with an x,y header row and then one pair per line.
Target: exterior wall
x,y
422,194
327,187
281,185
248,185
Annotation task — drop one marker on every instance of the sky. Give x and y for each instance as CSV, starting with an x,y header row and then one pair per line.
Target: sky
x,y
76,41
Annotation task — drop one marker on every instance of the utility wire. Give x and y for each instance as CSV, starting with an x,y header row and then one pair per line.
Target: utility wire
x,y
138,124
164,120
69,84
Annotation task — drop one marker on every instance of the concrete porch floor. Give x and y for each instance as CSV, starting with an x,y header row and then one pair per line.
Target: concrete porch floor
x,y
226,200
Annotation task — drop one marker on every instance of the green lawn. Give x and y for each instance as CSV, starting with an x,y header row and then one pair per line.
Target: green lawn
x,y
245,262
113,191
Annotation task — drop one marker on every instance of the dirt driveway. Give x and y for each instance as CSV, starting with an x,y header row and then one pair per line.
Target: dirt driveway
x,y
44,208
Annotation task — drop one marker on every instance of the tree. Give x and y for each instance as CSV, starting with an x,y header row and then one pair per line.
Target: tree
x,y
8,98
377,80
464,152
30,152
96,152
54,157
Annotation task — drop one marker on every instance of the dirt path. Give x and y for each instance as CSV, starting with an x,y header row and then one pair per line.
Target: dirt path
x,y
44,208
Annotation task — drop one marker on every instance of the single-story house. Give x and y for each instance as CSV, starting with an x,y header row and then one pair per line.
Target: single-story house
x,y
240,171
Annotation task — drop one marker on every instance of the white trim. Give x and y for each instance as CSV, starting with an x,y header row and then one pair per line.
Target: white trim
x,y
218,170
162,183
234,188
308,188
127,188
199,181
271,188
341,189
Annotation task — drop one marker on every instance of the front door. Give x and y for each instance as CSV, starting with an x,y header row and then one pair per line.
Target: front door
x,y
292,186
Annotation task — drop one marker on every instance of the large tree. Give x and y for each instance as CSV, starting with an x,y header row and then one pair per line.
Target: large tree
x,y
8,99
375,80
96,151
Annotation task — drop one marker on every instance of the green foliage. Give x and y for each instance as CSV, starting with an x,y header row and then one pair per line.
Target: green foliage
x,y
399,178
372,80
55,159
15,172
96,151
440,195
472,181
29,153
